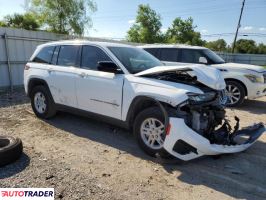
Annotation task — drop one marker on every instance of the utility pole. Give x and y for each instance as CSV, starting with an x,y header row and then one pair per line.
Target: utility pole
x,y
238,25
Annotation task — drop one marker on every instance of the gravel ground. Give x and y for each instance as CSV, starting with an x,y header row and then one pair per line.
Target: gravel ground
x,y
86,159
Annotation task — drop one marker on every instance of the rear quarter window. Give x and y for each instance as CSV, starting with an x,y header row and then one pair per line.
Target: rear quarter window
x,y
45,55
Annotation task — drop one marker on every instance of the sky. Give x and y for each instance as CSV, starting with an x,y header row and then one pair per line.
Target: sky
x,y
213,18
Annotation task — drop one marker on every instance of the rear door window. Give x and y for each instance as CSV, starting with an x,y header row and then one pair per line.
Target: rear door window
x,y
68,55
45,55
168,54
190,56
91,55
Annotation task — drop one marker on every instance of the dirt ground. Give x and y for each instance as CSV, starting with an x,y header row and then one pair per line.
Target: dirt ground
x,y
86,159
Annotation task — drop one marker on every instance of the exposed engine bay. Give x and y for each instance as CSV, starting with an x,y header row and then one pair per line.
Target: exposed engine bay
x,y
184,76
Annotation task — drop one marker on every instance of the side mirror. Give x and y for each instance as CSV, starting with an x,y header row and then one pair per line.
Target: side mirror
x,y
203,60
108,66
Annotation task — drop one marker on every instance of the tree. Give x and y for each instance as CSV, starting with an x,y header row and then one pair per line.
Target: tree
x,y
246,46
26,21
63,16
183,31
261,48
217,45
147,27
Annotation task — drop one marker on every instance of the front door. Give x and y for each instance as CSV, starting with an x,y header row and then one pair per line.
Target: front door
x,y
98,92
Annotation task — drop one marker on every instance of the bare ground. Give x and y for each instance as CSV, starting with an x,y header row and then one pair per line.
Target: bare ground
x,y
87,159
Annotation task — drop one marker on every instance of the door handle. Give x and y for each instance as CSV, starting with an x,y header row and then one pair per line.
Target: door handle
x,y
83,75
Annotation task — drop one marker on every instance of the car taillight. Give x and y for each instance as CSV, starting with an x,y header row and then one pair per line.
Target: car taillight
x,y
168,128
26,67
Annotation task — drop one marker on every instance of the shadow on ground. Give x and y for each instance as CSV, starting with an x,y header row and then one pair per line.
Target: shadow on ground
x,y
238,176
13,99
253,106
15,168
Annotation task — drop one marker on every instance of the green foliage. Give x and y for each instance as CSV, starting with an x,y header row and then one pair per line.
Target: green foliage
x,y
147,27
2,24
26,21
183,31
261,48
217,45
63,16
245,46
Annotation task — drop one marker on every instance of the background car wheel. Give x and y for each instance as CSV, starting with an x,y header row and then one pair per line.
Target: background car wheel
x,y
235,93
42,102
10,149
149,130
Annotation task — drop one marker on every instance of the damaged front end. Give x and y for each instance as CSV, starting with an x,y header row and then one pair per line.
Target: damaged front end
x,y
200,127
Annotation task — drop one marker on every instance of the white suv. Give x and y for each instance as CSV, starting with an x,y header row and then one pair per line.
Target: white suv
x,y
242,80
173,110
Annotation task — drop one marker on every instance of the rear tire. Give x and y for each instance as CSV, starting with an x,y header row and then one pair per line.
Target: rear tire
x,y
149,131
235,93
42,102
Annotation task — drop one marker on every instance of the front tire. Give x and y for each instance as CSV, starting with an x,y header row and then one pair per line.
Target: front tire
x,y
42,102
149,130
235,93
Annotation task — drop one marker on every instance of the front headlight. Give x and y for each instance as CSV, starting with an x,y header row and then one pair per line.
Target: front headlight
x,y
201,97
254,78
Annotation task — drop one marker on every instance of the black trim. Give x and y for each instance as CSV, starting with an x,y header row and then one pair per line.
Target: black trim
x,y
140,99
184,148
105,102
109,120
34,82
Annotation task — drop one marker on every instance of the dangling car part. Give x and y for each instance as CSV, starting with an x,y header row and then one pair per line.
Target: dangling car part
x,y
198,126
203,129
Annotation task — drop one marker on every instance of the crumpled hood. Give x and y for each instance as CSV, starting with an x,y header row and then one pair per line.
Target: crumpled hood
x,y
241,66
208,76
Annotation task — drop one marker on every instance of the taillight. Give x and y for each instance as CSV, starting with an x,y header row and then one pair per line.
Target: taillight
x,y
168,128
27,67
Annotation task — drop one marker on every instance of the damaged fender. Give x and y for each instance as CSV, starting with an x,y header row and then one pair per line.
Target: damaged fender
x,y
186,144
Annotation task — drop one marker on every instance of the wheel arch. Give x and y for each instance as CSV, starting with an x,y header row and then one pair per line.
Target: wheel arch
x,y
142,102
34,82
240,82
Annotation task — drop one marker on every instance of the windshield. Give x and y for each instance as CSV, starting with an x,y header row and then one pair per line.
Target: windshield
x,y
135,59
212,57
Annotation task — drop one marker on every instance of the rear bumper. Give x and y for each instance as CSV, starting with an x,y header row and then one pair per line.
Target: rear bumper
x,y
195,145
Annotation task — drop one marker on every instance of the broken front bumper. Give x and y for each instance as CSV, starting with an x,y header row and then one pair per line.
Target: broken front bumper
x,y
186,144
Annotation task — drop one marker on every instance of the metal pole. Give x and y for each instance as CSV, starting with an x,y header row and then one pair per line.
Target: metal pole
x,y
8,63
238,25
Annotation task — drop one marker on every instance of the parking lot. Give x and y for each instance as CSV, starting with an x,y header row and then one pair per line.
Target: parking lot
x,y
86,159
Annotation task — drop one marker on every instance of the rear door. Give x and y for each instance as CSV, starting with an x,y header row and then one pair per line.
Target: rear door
x,y
98,92
62,74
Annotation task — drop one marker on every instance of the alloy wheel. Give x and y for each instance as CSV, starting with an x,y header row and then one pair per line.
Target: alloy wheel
x,y
233,94
40,102
152,133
